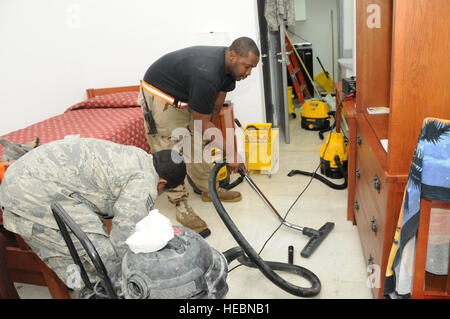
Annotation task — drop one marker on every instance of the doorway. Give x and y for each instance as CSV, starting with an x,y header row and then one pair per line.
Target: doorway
x,y
273,59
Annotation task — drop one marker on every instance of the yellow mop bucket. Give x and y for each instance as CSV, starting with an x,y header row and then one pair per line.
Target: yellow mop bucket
x,y
324,82
324,79
290,103
261,146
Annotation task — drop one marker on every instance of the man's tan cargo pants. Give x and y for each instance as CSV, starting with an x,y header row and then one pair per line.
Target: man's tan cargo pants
x,y
169,121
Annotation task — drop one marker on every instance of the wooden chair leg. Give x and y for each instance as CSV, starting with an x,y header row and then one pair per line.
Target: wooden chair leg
x,y
7,288
448,278
56,287
421,249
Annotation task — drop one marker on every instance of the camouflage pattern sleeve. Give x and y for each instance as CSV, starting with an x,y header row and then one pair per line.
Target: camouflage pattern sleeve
x,y
277,10
134,203
109,179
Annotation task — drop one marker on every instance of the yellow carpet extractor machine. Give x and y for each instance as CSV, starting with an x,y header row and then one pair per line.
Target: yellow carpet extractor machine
x,y
333,153
316,115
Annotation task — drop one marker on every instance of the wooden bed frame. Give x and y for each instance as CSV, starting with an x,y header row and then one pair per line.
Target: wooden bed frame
x,y
103,91
224,121
23,265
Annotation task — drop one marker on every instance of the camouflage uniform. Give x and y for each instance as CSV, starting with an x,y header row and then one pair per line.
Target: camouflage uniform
x,y
92,180
276,11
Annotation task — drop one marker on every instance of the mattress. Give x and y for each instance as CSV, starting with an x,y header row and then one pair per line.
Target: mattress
x,y
114,117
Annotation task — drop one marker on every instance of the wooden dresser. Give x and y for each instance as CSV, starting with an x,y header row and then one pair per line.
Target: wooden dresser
x,y
402,63
226,121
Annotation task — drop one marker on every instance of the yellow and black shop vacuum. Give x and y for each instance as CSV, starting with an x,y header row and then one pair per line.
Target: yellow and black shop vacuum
x,y
223,176
333,155
315,115
333,161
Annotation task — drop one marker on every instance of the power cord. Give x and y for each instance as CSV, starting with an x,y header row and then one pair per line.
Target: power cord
x,y
285,216
298,197
287,213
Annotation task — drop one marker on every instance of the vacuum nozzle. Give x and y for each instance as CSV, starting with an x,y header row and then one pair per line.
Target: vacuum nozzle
x,y
310,232
315,241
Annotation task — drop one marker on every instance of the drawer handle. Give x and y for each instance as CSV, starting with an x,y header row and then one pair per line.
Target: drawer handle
x,y
376,183
373,225
358,173
370,264
370,260
358,140
356,205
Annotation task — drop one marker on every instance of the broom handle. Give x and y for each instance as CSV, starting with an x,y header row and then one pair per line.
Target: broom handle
x,y
332,46
301,61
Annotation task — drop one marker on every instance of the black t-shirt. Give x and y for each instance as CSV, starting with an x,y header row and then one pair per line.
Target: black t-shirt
x,y
194,75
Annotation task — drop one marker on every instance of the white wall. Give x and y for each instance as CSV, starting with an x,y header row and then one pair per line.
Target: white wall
x,y
51,51
317,30
348,37
348,21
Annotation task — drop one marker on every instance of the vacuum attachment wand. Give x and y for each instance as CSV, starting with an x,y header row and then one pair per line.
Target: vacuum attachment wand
x,y
305,230
317,236
251,258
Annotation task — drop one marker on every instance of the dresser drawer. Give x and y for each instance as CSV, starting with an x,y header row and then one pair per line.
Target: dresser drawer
x,y
370,177
370,196
366,187
371,242
370,226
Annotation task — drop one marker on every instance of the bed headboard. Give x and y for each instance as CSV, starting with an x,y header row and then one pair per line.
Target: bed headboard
x,y
95,92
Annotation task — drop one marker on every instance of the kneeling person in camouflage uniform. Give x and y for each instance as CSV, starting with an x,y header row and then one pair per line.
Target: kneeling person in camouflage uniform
x,y
92,180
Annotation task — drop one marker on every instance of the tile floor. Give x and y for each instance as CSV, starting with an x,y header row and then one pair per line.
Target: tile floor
x,y
338,261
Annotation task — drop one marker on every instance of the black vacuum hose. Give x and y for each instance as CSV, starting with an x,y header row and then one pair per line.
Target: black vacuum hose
x,y
224,186
334,114
234,184
323,179
327,129
253,259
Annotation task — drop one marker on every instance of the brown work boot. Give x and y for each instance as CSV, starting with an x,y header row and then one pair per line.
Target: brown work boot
x,y
187,218
224,196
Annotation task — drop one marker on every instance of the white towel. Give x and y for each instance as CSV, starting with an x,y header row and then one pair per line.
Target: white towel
x,y
153,232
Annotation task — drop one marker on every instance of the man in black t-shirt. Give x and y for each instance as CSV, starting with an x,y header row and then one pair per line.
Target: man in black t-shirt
x,y
186,89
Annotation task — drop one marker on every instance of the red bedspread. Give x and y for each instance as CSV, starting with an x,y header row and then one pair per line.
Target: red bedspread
x,y
113,117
